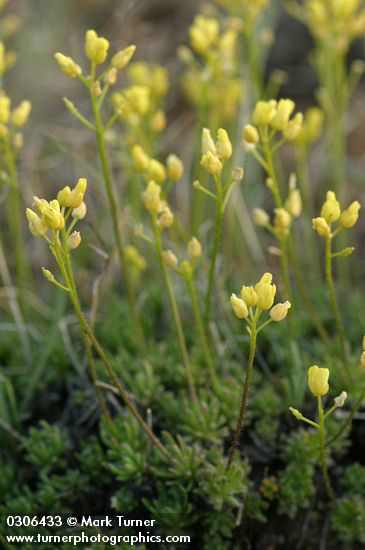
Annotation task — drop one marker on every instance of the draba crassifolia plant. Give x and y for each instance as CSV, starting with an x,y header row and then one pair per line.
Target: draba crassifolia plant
x,y
160,396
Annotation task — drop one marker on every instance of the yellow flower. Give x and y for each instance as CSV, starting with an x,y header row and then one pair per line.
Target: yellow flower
x,y
96,47
169,258
166,218
4,109
264,112
282,221
211,163
284,110
50,212
138,99
156,171
280,311
265,292
294,127
223,145
80,212
208,142
175,167
122,58
331,210
318,380
151,197
37,226
250,135
203,33
20,115
249,296
73,240
260,217
239,307
294,202
194,248
141,160
158,122
68,65
73,198
321,226
350,216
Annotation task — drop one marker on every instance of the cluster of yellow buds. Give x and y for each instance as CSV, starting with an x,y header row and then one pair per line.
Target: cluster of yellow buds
x,y
153,169
12,120
140,103
276,115
331,213
335,22
259,298
157,207
215,154
7,59
186,267
212,68
51,215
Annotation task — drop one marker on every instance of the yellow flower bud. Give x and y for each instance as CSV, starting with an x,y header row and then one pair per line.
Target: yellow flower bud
x,y
265,292
122,58
211,163
250,136
194,248
331,210
4,109
239,307
169,258
111,76
280,311
340,399
282,221
294,201
80,212
73,198
260,217
20,115
264,112
208,142
186,268
151,197
350,216
156,171
135,259
321,226
203,33
141,160
284,110
318,380
363,342
166,218
175,167
68,65
37,226
158,122
96,89
294,127
96,47
362,360
138,99
298,415
223,145
249,296
48,275
73,240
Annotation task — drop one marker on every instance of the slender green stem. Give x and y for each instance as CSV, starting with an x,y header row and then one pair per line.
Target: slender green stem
x,y
86,329
323,451
349,420
244,398
275,189
332,295
213,261
15,218
201,332
175,313
99,133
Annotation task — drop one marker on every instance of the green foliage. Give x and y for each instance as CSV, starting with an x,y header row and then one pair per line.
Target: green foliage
x,y
46,446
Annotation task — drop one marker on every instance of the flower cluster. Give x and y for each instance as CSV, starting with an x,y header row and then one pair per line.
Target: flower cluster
x,y
212,68
331,213
272,116
51,216
158,207
12,120
255,300
186,267
215,154
153,169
